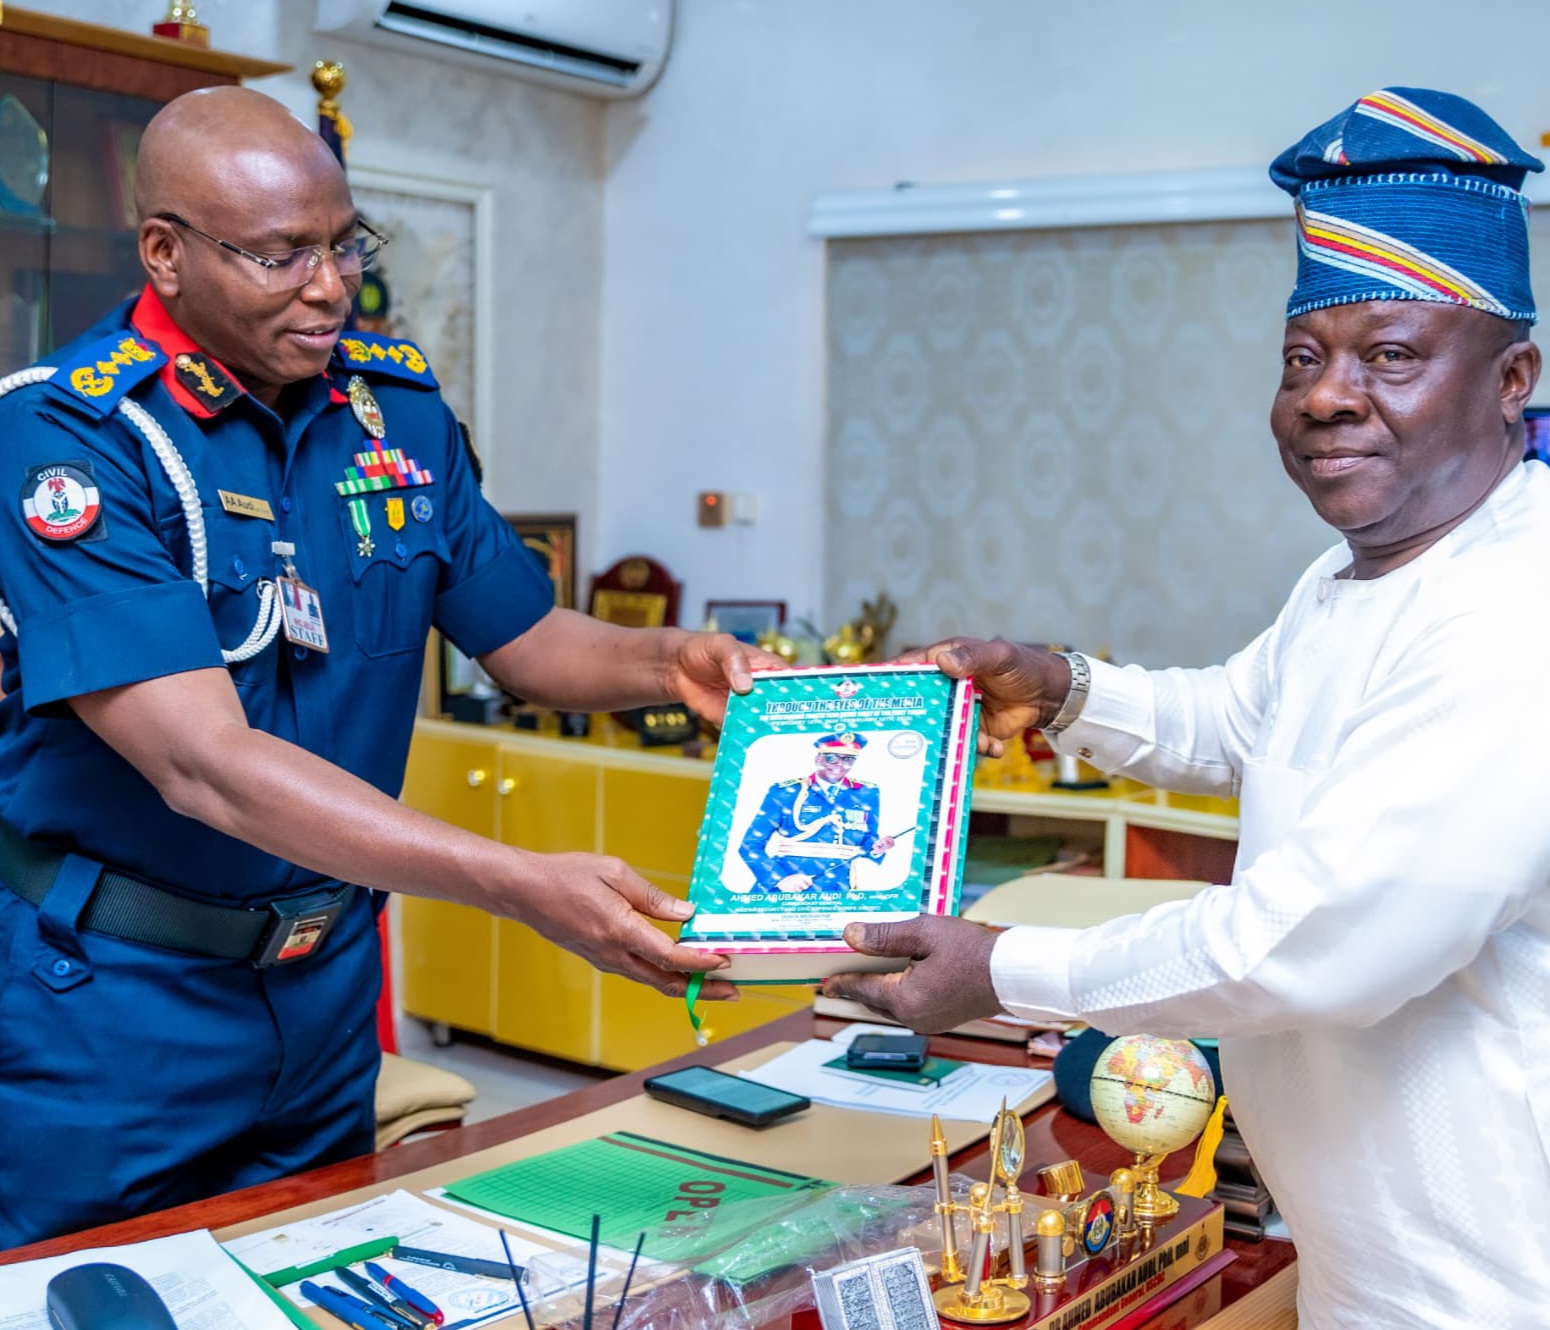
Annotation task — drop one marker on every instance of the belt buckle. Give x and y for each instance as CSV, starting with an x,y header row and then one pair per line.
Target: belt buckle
x,y
296,928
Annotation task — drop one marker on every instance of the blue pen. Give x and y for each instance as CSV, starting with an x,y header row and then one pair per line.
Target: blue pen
x,y
380,1300
350,1310
398,1288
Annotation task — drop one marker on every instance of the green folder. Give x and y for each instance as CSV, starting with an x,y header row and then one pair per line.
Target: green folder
x,y
635,1184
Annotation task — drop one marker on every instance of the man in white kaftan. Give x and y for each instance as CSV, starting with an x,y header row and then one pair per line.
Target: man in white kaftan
x,y
1378,971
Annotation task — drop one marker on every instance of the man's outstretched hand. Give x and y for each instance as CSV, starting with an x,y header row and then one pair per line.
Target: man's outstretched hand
x,y
1019,685
947,982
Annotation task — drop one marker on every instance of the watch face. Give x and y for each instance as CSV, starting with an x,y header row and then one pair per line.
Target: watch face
x,y
1009,1147
23,156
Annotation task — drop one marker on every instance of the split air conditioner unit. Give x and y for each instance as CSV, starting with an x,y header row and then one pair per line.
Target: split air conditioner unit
x,y
602,48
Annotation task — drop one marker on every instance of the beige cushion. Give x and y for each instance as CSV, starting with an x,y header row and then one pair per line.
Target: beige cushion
x,y
414,1095
1060,900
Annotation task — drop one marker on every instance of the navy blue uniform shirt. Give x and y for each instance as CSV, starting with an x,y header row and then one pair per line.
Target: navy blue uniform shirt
x,y
116,604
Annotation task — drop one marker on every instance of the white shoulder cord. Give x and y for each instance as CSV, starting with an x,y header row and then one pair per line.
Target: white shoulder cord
x,y
268,622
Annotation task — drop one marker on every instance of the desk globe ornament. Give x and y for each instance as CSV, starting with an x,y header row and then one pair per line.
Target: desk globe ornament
x,y
972,1294
1152,1096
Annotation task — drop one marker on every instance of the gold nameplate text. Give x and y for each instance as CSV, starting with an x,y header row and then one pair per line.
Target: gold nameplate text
x,y
244,506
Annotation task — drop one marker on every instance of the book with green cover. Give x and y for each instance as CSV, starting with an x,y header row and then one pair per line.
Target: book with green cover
x,y
838,794
930,1074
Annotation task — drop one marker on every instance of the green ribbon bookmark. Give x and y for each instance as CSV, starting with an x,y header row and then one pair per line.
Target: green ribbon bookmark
x,y
692,996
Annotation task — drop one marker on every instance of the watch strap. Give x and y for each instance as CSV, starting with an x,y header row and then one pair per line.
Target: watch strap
x,y
1076,695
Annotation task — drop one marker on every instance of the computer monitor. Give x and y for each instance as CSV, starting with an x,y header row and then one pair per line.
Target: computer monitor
x,y
1536,419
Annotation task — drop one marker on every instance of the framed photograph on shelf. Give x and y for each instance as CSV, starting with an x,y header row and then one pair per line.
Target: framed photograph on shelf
x,y
746,619
552,539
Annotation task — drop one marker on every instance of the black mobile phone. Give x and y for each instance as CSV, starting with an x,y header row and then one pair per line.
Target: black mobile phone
x,y
720,1095
887,1052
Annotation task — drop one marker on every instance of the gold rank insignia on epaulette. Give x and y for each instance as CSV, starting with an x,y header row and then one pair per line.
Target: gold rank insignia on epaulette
x,y
100,374
390,356
207,382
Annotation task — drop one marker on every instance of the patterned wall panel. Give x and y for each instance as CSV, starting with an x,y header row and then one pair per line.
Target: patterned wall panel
x,y
1063,436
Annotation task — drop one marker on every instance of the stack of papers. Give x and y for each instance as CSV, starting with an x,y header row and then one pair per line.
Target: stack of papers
x,y
973,1093
464,1300
200,1283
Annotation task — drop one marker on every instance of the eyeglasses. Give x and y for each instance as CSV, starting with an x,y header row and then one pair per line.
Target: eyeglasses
x,y
294,269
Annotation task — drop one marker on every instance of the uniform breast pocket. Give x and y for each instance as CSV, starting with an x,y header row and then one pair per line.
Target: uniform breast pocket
x,y
396,557
239,554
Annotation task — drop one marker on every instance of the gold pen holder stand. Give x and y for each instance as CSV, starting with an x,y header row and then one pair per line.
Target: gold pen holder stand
x,y
973,1295
969,1292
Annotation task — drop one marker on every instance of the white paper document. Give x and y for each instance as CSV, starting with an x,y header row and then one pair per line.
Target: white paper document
x,y
203,1287
462,1299
972,1094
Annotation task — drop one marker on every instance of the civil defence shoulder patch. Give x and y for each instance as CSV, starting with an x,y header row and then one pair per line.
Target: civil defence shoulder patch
x,y
60,501
101,373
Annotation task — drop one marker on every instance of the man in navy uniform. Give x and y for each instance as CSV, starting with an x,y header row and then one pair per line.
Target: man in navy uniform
x,y
809,833
233,530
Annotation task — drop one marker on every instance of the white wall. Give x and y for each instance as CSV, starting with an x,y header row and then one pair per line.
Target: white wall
x,y
540,153
713,328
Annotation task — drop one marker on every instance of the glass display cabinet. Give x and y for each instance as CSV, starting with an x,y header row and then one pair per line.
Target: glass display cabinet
x,y
74,98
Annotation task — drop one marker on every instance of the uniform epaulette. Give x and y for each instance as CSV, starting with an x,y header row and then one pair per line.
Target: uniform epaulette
x,y
100,374
791,784
373,354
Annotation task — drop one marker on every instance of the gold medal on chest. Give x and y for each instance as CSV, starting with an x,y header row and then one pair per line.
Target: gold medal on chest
x,y
365,407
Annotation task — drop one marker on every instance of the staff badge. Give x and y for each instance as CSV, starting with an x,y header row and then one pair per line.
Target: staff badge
x,y
422,507
395,514
365,407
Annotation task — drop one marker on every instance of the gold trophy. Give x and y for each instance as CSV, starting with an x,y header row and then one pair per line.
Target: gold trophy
x,y
973,1295
182,24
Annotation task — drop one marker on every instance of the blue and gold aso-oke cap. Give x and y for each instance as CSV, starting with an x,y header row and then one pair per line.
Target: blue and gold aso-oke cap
x,y
1410,195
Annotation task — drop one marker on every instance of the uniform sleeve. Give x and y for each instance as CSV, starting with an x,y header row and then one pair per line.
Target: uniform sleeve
x,y
767,873
494,589
1423,837
108,608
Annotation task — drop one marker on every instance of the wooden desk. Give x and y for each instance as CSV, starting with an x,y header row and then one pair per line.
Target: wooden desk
x,y
1052,1135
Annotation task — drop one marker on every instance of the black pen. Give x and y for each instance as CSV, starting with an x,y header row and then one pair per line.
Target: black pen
x,y
381,1299
464,1265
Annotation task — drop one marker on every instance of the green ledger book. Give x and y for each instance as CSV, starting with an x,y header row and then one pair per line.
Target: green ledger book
x,y
838,794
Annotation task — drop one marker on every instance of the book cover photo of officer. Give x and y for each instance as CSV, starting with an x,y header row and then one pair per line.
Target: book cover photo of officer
x,y
850,822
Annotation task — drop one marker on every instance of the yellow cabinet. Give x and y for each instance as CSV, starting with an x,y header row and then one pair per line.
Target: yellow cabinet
x,y
550,796
447,951
545,998
654,818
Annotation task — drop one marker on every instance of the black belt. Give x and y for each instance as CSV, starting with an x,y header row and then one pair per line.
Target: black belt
x,y
125,907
